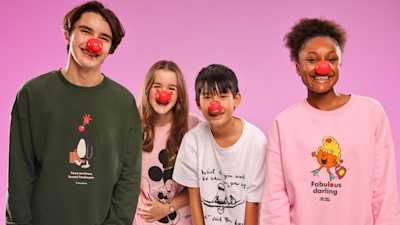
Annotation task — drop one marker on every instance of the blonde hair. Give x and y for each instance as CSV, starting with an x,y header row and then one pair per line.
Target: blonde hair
x,y
330,145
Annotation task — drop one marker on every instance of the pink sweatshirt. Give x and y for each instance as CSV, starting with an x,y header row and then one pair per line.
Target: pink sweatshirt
x,y
331,167
156,181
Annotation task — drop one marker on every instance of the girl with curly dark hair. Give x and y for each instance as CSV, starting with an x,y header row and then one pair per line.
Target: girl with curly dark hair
x,y
330,158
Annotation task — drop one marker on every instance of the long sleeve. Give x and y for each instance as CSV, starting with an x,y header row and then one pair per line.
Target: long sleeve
x,y
385,198
126,191
22,164
275,205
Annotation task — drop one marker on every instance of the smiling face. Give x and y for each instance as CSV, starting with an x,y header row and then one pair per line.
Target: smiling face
x,y
326,159
165,81
316,52
90,25
227,104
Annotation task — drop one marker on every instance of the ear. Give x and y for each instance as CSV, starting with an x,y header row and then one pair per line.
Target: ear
x,y
298,69
198,106
237,99
340,60
66,37
339,53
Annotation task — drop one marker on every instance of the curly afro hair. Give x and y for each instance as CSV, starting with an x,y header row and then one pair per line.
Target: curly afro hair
x,y
308,28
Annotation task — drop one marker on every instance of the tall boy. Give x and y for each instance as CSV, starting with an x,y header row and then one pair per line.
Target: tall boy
x,y
75,135
221,161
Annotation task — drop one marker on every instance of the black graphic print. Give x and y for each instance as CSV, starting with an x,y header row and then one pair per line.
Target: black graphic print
x,y
223,199
83,152
165,192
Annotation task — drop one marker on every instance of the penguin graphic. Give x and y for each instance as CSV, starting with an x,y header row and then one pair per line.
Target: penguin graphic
x,y
84,150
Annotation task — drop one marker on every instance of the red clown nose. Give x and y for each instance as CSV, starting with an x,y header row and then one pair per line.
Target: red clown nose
x,y
163,97
215,108
81,128
323,68
94,45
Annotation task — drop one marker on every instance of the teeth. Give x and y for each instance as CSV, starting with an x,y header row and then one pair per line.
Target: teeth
x,y
321,78
89,53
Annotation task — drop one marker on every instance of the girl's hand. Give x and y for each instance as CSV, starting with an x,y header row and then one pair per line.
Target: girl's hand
x,y
153,211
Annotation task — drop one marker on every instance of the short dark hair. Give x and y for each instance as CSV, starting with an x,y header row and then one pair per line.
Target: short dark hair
x,y
308,28
216,77
75,14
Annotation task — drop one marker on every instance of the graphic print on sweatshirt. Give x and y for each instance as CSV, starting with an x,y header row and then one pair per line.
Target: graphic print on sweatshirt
x,y
167,190
82,153
227,195
329,159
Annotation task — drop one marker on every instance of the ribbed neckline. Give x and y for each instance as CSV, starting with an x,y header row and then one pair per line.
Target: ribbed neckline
x,y
330,112
103,83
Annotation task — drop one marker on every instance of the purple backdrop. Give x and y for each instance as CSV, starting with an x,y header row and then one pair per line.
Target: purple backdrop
x,y
246,37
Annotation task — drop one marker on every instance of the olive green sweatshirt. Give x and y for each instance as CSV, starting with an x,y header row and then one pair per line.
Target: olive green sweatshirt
x,y
74,154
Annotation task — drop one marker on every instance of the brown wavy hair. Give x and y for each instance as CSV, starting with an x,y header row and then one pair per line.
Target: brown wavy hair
x,y
180,110
75,14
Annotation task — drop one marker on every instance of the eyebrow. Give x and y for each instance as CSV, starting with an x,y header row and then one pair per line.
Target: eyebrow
x,y
312,52
90,29
174,85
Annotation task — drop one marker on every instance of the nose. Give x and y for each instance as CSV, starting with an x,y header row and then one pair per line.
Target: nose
x,y
323,68
94,45
214,107
163,97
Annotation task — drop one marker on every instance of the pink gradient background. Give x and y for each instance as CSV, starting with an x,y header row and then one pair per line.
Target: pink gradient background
x,y
246,37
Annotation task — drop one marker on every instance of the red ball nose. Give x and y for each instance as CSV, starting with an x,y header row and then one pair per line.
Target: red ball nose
x,y
81,128
94,45
163,97
323,68
215,108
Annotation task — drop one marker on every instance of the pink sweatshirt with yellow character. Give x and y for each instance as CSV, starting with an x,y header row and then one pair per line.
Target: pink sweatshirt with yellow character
x,y
331,167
